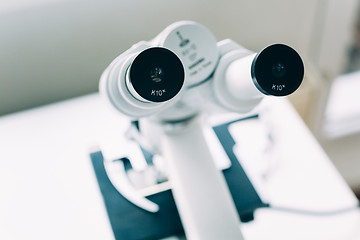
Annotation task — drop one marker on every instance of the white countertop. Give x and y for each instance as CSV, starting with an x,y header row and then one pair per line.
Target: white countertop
x,y
49,190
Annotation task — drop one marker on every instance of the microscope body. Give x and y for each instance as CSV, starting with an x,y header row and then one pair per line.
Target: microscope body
x,y
209,78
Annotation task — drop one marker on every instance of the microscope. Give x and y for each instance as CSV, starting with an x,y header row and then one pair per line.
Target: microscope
x,y
169,87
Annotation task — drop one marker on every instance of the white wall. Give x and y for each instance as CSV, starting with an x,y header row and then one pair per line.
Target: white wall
x,y
52,50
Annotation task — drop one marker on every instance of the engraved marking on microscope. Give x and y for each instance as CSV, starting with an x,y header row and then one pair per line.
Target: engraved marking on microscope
x,y
196,63
277,87
157,93
183,42
189,50
192,57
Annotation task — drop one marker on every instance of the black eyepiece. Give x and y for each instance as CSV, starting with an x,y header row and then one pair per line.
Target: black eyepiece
x,y
277,70
157,74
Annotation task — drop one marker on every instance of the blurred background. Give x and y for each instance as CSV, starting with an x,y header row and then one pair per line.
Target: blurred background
x,y
51,50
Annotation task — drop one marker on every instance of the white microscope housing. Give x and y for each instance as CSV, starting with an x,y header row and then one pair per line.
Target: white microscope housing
x,y
184,73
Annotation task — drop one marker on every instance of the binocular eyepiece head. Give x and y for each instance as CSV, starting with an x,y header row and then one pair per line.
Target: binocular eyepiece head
x,y
147,79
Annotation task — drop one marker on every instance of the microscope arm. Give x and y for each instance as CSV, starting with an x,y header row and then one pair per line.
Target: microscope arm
x,y
203,199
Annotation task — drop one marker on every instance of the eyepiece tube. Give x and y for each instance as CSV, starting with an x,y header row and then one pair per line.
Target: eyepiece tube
x,y
143,81
276,70
242,78
155,75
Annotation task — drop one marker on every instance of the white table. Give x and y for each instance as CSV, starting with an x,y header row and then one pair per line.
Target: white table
x,y
49,190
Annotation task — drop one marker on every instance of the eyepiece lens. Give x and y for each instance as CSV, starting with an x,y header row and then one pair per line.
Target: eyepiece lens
x,y
157,74
278,70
